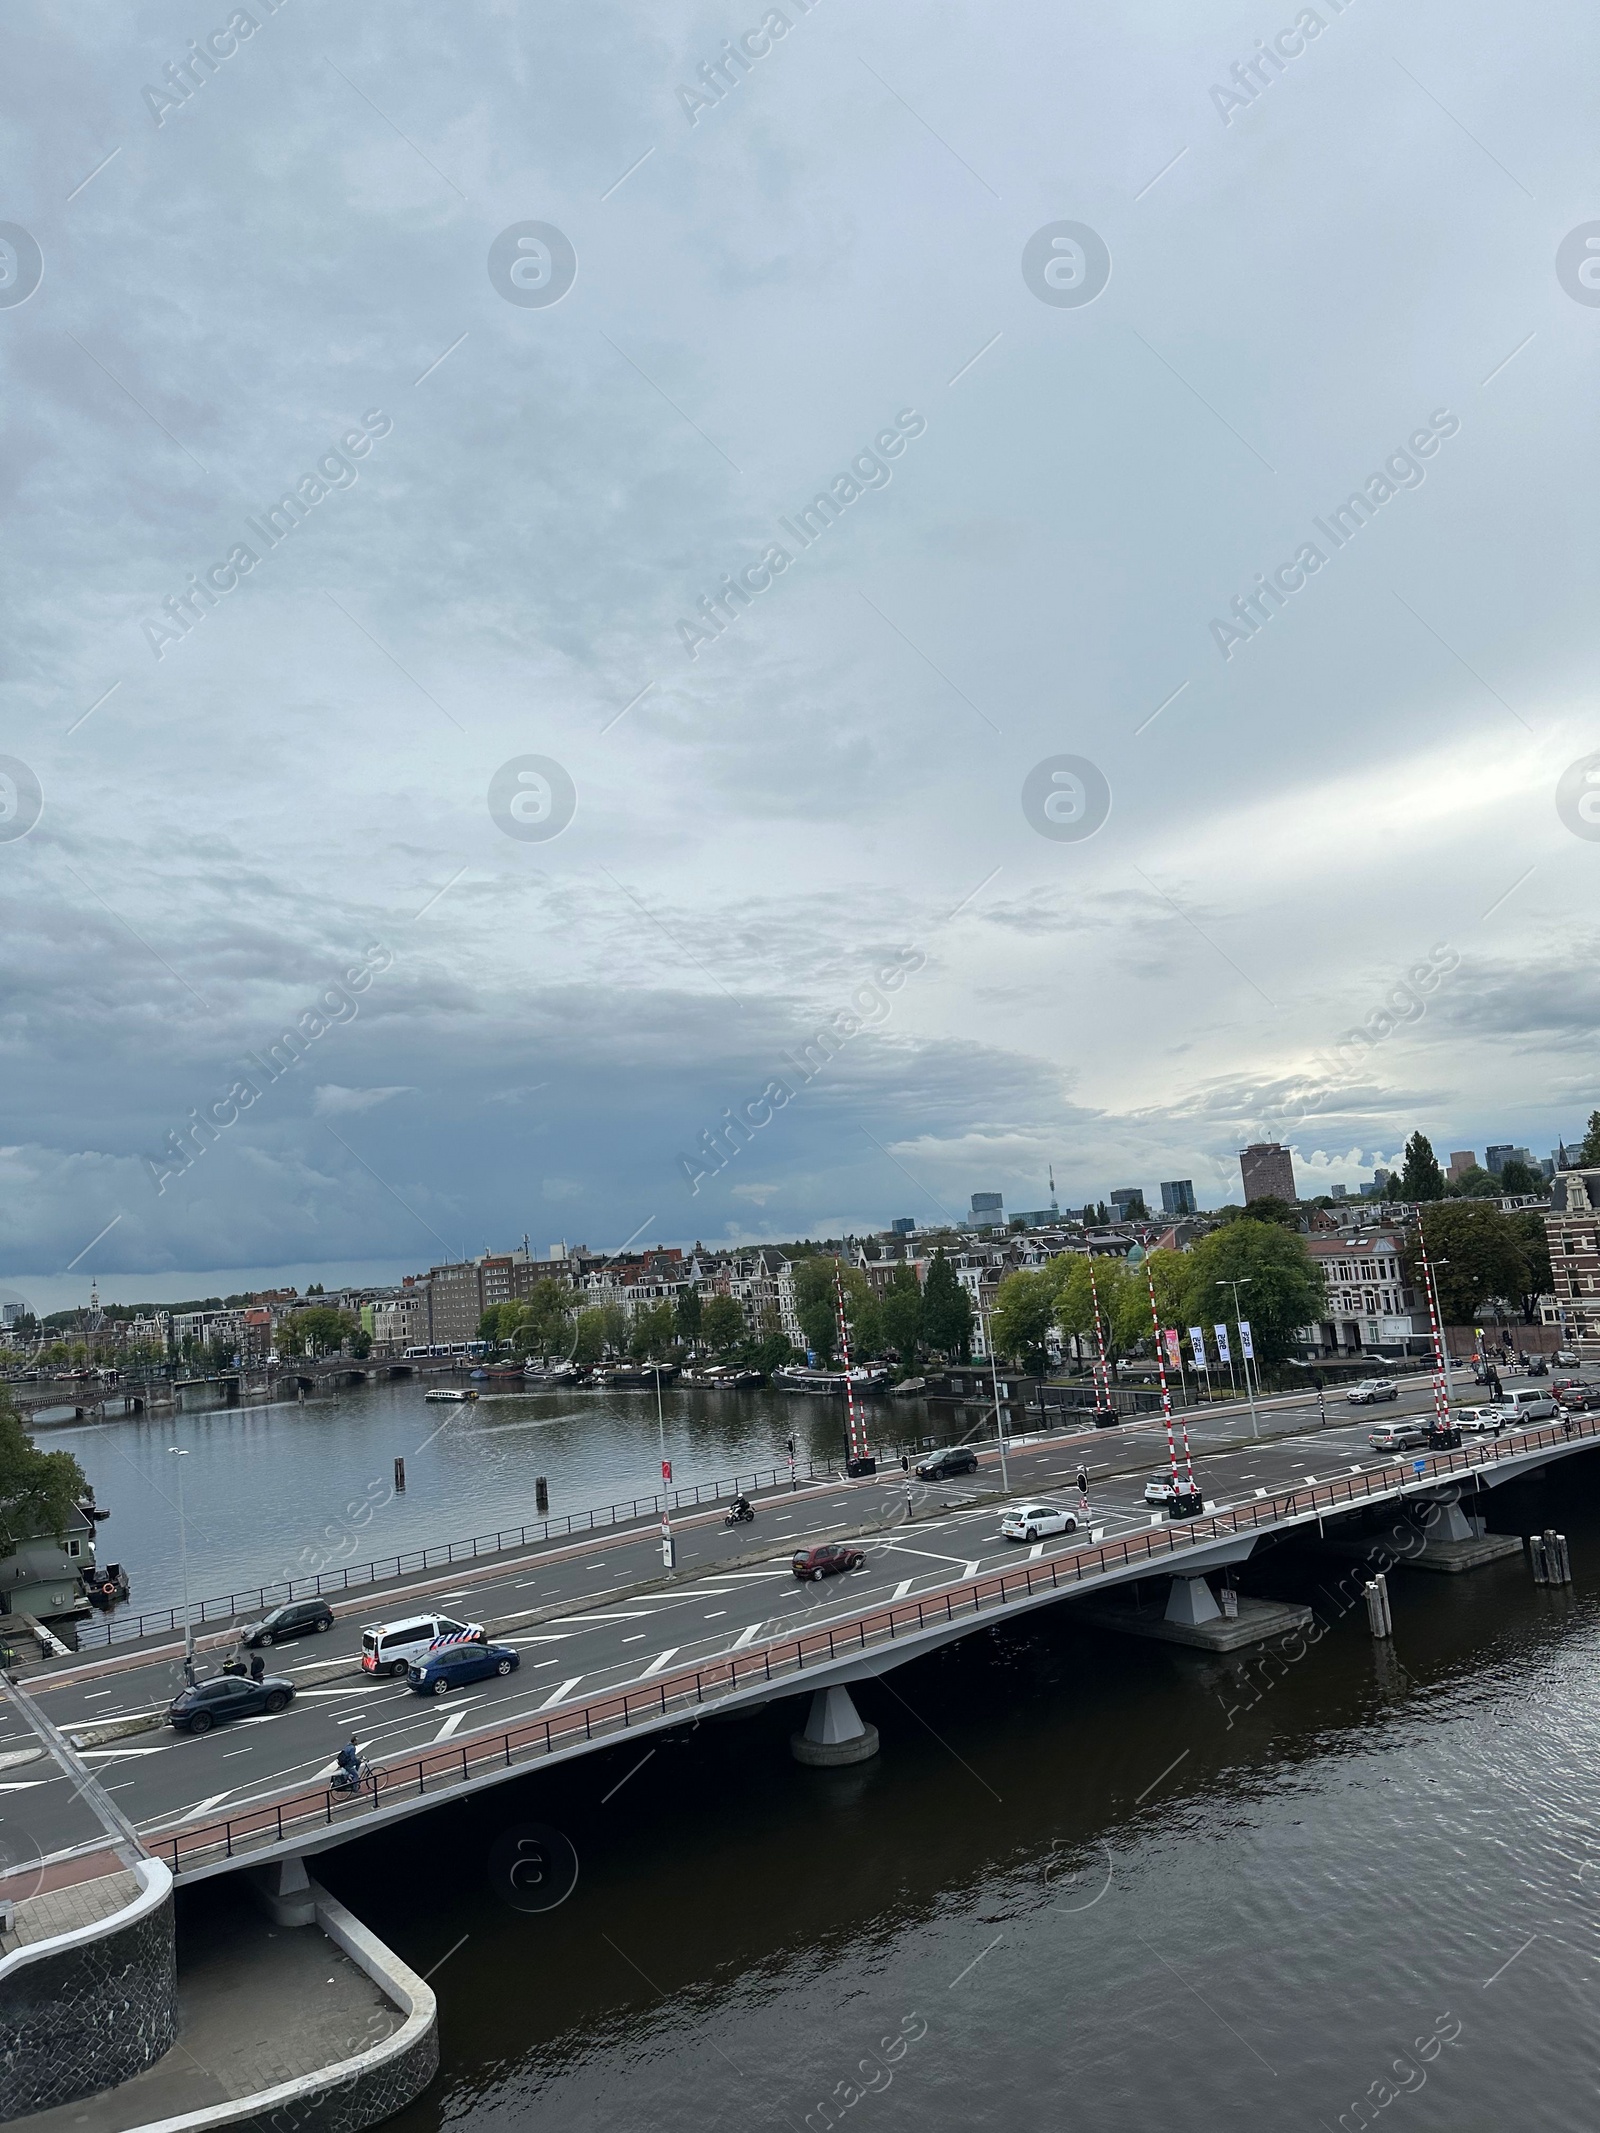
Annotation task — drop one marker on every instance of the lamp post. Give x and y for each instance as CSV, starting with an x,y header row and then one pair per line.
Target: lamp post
x,y
177,1452
1244,1360
668,1546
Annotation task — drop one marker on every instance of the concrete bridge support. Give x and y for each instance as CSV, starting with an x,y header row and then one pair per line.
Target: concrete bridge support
x,y
835,1732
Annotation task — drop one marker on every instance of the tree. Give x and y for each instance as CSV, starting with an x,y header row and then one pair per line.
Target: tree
x,y
1477,1255
816,1304
1475,1183
1267,1208
361,1343
1420,1177
654,1330
946,1310
38,1490
589,1336
545,1320
689,1312
1518,1176
1589,1153
499,1323
1538,1279
721,1323
903,1314
1024,1311
1281,1289
324,1328
864,1313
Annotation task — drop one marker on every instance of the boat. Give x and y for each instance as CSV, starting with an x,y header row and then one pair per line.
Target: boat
x,y
865,1378
908,1388
627,1377
451,1392
505,1373
106,1585
551,1373
721,1377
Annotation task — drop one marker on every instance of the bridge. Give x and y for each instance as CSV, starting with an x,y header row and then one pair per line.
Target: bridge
x,y
155,1392
580,1610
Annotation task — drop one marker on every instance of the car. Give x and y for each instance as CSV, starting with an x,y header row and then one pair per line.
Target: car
x,y
1479,1421
826,1561
210,1703
1398,1437
390,1647
1579,1399
297,1618
439,1672
943,1465
1523,1404
1030,1521
1370,1390
1178,1497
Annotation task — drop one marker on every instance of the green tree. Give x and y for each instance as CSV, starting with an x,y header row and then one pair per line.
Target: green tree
x,y
1281,1287
1521,1177
946,1310
689,1312
901,1307
1420,1177
816,1303
38,1490
865,1315
655,1327
1024,1311
1475,1183
499,1323
544,1324
1589,1153
1268,1208
1478,1255
721,1323
323,1328
1538,1279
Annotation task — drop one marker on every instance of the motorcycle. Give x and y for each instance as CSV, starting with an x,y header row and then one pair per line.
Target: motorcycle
x,y
740,1515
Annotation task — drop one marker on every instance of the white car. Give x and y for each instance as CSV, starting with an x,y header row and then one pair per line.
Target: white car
x,y
1032,1521
1169,1495
1479,1421
390,1647
1566,1356
1372,1389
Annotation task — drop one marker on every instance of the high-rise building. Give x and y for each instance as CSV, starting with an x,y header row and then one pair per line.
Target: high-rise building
x,y
1267,1171
1461,1161
987,1206
1177,1197
1497,1157
903,1225
1127,1202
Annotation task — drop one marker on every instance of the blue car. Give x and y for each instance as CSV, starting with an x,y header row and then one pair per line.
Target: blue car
x,y
450,1668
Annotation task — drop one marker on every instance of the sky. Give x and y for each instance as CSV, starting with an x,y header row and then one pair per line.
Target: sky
x,y
557,782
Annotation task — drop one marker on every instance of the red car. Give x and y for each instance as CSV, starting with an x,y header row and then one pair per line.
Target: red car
x,y
826,1561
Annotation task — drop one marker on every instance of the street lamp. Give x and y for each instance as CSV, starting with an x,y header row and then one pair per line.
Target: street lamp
x,y
668,1547
176,1452
1236,1286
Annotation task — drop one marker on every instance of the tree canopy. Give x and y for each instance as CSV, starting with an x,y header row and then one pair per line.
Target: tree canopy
x,y
1420,1176
946,1310
1478,1256
1589,1153
1281,1288
38,1490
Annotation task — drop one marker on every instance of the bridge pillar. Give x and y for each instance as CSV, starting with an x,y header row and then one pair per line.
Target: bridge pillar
x,y
1192,1601
283,1889
835,1732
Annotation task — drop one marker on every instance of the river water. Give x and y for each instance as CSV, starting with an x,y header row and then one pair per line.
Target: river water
x,y
1087,1882
295,1488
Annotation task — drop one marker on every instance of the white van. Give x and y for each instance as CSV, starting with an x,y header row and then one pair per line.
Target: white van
x,y
390,1647
1525,1404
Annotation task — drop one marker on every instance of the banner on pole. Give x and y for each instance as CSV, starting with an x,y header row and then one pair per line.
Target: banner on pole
x,y
1224,1352
1174,1353
1197,1344
1246,1345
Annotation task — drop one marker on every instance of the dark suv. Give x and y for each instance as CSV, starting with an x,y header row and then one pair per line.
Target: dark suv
x,y
826,1561
298,1618
944,1465
209,1703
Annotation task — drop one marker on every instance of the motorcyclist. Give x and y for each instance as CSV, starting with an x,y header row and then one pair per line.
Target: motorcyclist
x,y
741,1508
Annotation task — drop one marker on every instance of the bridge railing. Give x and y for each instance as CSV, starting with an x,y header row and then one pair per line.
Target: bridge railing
x,y
1159,1550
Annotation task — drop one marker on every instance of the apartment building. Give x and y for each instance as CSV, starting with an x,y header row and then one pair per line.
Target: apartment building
x,y
1572,1224
1370,1304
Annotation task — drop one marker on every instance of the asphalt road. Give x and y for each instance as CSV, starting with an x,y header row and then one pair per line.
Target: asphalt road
x,y
600,1615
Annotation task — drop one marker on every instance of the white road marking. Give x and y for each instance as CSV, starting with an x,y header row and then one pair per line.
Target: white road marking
x,y
1035,1551
746,1636
659,1661
615,1614
565,1689
902,1588
228,1752
636,1638
200,1806
449,1725
716,1614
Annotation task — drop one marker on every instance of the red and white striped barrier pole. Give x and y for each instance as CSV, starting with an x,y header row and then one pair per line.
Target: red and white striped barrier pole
x,y
855,1430
1166,1396
1103,1379
1441,1397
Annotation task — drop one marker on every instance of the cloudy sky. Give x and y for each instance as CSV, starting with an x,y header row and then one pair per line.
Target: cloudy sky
x,y
573,333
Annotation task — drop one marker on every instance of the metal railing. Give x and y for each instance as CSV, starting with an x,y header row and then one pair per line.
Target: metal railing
x,y
787,1658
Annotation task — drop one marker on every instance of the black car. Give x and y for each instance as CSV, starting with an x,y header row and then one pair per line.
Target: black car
x,y
209,1703
944,1465
297,1618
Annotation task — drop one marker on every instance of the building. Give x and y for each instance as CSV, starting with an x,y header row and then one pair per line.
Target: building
x,y
1369,1304
1267,1170
1177,1197
903,1226
1496,1158
1572,1225
1127,1203
988,1207
42,1575
1461,1161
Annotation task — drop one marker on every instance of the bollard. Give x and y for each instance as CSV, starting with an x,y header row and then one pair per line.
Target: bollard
x,y
541,1494
399,1477
1379,1618
1549,1557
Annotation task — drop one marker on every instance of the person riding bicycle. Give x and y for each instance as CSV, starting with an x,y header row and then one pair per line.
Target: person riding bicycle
x,y
349,1760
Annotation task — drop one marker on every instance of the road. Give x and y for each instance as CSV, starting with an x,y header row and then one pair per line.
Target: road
x,y
599,1616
